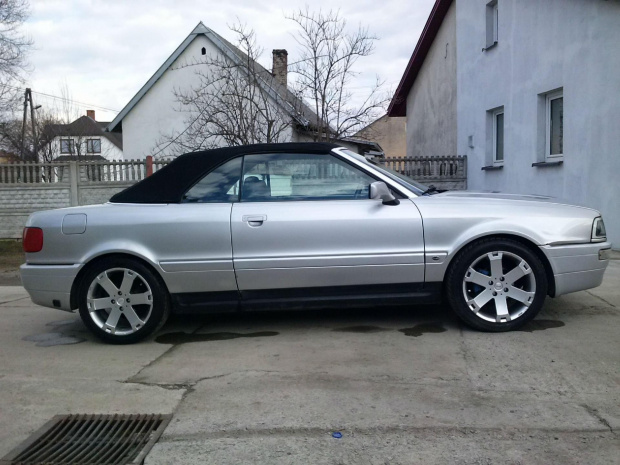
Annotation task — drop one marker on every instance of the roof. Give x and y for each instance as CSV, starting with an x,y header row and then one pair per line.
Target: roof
x,y
169,184
365,146
84,126
280,93
80,157
398,105
8,157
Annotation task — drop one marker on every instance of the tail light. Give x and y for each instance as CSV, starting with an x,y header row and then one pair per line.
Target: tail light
x,y
32,240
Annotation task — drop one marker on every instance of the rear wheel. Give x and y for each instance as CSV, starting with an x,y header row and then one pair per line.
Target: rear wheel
x,y
122,301
496,285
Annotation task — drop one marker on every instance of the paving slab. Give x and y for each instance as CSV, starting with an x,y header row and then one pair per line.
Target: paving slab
x,y
394,447
402,385
363,343
51,365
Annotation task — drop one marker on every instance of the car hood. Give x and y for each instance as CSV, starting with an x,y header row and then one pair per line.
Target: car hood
x,y
542,219
509,198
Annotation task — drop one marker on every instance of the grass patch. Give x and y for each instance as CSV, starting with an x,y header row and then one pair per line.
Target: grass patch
x,y
11,254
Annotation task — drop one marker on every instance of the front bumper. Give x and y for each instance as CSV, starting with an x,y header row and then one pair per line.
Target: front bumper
x,y
577,267
49,285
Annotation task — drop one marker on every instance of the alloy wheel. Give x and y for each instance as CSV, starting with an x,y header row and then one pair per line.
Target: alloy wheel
x,y
119,301
499,286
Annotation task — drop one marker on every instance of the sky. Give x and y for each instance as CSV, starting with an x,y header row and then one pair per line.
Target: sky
x,y
104,51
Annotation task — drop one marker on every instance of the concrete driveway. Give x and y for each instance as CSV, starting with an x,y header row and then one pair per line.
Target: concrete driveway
x,y
401,385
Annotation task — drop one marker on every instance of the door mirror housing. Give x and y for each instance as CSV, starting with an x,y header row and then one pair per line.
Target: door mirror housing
x,y
380,190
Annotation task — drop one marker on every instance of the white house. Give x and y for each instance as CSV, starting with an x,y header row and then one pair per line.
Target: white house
x,y
84,138
529,90
155,111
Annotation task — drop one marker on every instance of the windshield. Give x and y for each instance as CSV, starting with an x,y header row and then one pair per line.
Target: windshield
x,y
403,180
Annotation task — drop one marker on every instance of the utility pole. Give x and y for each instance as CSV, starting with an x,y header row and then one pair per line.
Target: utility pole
x,y
28,100
21,155
34,127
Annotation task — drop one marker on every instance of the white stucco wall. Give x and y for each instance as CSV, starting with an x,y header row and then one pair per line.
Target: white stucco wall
x,y
542,46
431,102
158,112
109,151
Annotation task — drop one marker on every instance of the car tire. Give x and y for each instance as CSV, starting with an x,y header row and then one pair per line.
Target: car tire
x,y
496,284
122,301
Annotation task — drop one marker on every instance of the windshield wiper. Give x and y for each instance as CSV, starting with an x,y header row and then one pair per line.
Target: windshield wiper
x,y
430,190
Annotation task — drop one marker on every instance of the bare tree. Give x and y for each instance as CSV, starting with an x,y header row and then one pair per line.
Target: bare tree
x,y
11,137
53,123
13,50
53,126
42,145
236,103
324,71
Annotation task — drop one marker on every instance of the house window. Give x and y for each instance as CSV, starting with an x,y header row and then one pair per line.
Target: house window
x,y
67,146
93,145
203,51
554,125
498,136
492,19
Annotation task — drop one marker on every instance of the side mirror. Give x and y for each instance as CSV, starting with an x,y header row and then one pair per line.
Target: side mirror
x,y
379,190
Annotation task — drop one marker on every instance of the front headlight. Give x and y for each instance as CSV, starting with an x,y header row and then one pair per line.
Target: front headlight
x,y
598,230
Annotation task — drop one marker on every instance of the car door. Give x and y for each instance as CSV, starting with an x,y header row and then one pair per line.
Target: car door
x,y
306,221
195,250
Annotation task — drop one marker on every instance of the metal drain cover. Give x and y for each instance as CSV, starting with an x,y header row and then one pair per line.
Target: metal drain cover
x,y
90,439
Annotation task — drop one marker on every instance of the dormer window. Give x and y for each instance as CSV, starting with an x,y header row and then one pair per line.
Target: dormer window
x,y
203,51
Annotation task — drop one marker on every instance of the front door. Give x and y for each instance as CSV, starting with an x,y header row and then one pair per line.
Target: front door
x,y
306,221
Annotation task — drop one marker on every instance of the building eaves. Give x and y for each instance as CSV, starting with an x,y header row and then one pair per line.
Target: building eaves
x,y
398,105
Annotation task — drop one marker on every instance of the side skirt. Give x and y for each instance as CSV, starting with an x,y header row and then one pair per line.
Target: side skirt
x,y
307,298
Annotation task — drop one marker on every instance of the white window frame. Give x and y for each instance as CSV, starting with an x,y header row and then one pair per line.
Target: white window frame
x,y
495,114
495,22
548,98
492,24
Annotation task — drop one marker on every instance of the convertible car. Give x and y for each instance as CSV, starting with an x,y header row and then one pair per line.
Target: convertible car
x,y
304,225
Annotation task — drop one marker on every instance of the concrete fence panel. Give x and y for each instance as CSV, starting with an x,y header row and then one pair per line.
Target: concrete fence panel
x,y
29,187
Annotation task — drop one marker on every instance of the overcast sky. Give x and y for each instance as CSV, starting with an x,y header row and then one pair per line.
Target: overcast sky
x,y
105,50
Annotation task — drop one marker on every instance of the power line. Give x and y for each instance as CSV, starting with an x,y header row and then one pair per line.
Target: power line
x,y
180,134
97,107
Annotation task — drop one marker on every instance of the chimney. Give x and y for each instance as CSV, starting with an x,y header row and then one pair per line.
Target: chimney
x,y
280,66
91,114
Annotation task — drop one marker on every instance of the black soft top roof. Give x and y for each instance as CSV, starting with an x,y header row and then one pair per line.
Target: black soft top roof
x,y
168,184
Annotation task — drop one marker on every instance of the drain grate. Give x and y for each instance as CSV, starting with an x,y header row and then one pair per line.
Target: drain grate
x,y
90,439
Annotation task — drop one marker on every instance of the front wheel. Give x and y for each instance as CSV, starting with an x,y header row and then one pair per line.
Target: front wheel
x,y
122,301
496,285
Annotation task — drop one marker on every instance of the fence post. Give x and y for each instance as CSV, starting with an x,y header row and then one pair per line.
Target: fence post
x,y
149,165
73,178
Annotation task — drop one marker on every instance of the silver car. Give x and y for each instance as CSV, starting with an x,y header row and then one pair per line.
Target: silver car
x,y
304,225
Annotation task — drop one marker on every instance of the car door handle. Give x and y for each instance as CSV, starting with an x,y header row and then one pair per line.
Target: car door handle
x,y
254,220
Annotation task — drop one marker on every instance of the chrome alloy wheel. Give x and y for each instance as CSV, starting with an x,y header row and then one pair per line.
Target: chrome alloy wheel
x,y
119,301
499,286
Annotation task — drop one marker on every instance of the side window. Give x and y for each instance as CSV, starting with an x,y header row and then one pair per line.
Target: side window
x,y
285,177
220,185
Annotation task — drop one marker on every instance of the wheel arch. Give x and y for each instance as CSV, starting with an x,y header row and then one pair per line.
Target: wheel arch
x,y
523,240
99,258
